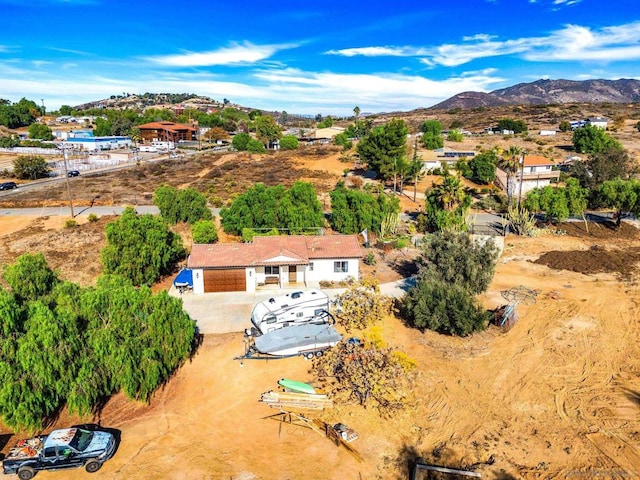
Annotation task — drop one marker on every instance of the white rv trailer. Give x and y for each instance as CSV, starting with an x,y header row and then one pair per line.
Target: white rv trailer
x,y
296,308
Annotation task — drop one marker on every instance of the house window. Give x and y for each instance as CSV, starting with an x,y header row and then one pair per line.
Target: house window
x,y
272,270
340,267
311,266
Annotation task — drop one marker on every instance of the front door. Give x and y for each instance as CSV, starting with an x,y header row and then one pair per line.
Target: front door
x,y
293,275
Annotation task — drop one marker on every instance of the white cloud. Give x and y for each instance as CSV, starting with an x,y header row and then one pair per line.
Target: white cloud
x,y
379,51
41,63
571,43
378,92
577,43
233,55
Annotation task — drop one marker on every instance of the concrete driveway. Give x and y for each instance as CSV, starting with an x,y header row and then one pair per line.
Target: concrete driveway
x,y
230,312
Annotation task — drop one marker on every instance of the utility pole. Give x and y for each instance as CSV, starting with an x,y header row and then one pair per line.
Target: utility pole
x,y
521,175
66,175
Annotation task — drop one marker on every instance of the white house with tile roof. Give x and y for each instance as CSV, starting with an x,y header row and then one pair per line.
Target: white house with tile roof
x,y
282,261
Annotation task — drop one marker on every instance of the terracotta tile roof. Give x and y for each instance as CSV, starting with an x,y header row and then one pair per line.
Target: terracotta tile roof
x,y
334,246
171,126
535,160
298,250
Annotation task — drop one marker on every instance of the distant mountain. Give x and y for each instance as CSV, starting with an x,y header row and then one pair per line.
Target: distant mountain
x,y
549,91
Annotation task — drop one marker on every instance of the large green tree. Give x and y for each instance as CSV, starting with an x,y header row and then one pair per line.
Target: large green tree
x,y
75,347
622,195
483,167
558,203
607,165
354,210
383,145
296,210
39,131
453,269
590,139
181,205
455,258
432,134
267,130
140,248
20,114
516,126
30,167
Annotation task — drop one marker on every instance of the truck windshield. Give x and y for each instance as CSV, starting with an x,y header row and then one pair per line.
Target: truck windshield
x,y
81,440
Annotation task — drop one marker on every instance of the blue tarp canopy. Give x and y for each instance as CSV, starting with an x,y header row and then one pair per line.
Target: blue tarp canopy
x,y
184,278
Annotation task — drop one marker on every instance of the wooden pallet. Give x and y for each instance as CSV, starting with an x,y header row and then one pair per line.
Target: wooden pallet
x,y
298,401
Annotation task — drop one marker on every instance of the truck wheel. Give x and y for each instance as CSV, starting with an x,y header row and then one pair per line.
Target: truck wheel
x,y
93,466
26,473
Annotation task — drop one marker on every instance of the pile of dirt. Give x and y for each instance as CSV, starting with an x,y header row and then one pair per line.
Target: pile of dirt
x,y
598,230
596,259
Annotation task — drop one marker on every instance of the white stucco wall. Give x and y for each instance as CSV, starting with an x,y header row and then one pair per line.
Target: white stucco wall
x,y
198,281
323,270
250,279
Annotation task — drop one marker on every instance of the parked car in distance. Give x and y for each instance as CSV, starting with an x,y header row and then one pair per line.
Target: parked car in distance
x,y
8,185
73,173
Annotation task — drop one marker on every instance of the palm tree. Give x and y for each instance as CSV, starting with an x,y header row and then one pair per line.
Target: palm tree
x,y
415,171
509,163
450,194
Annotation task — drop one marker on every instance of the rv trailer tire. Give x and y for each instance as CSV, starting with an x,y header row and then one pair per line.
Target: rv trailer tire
x,y
319,353
308,355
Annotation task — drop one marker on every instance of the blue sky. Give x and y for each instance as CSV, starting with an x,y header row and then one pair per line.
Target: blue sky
x,y
309,57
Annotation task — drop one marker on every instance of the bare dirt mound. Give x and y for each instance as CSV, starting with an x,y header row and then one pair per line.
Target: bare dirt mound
x,y
606,249
599,230
597,259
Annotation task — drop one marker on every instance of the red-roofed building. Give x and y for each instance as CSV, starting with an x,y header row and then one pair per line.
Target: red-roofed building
x,y
281,260
166,132
536,172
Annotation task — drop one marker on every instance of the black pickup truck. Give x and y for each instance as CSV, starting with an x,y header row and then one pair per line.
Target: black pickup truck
x,y
65,448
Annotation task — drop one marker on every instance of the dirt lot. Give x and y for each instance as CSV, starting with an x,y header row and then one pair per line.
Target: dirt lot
x,y
558,396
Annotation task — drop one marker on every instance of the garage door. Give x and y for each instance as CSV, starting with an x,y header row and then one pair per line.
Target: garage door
x,y
224,280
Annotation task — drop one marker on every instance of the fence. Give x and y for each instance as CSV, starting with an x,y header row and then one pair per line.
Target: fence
x,y
32,151
93,162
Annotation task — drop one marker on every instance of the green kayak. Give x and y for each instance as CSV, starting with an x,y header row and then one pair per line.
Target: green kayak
x,y
294,386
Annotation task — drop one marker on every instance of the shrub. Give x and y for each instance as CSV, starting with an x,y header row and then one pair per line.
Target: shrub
x,y
444,307
204,231
240,141
369,259
255,146
70,223
92,217
289,142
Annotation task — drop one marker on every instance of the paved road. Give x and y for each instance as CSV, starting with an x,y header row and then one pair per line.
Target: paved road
x,y
82,210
